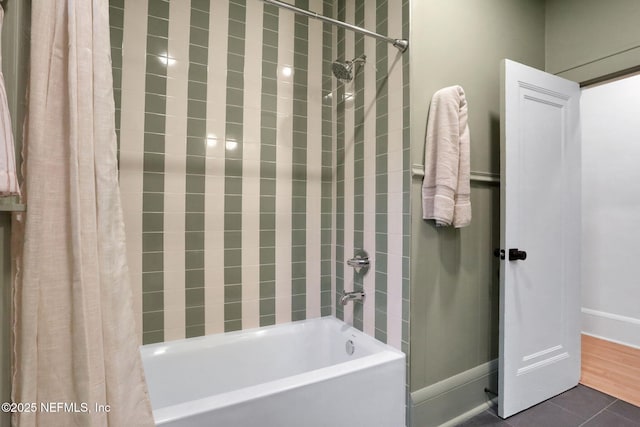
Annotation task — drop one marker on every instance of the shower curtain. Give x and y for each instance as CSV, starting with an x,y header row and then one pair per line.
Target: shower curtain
x,y
75,347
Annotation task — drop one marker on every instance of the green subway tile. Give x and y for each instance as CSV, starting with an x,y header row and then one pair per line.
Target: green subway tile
x,y
152,182
194,331
198,54
232,311
298,315
152,261
197,73
233,186
232,275
270,38
153,143
116,4
234,96
153,202
233,203
267,221
116,17
267,256
196,165
237,12
155,103
232,293
204,5
194,316
152,281
152,222
194,221
159,8
269,119
298,221
156,65
270,22
267,203
152,337
116,36
194,241
298,285
153,162
299,206
298,270
269,85
233,167
154,123
196,146
156,84
196,127
194,297
237,30
195,184
268,271
199,36
158,27
199,18
156,46
194,203
194,278
267,306
233,239
269,102
299,255
232,257
193,259
234,114
153,321
197,91
268,288
152,301
267,238
234,44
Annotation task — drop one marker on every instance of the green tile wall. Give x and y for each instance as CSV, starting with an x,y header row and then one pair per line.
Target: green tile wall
x,y
153,176
268,148
197,274
196,170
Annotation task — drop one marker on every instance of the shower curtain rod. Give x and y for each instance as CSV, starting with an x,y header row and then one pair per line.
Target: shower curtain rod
x,y
401,44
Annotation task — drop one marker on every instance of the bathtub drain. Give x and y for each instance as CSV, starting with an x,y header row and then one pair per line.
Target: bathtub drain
x,y
350,347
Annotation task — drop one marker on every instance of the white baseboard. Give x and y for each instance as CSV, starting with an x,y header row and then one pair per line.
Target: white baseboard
x,y
611,327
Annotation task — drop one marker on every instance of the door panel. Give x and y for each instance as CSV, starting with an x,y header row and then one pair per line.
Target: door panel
x,y
540,214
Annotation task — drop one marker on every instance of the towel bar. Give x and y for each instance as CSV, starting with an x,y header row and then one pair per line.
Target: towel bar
x,y
418,171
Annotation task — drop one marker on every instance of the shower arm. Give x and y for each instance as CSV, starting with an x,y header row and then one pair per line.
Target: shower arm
x,y
400,44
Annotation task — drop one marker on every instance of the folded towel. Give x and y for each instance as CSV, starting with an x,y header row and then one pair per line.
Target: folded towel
x,y
446,188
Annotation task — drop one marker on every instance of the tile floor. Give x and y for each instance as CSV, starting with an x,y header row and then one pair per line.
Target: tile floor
x,y
580,406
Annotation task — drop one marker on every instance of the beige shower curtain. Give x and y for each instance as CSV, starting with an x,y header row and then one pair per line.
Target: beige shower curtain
x,y
75,340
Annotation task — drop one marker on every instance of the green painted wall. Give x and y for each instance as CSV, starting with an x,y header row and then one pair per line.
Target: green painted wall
x,y
587,39
454,277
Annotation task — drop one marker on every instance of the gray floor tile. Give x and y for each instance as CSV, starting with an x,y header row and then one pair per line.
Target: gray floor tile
x,y
583,401
627,410
610,419
545,414
486,419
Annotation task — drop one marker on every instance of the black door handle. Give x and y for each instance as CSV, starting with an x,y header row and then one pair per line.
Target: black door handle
x,y
515,254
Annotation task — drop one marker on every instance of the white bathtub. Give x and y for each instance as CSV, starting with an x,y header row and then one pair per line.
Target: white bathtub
x,y
293,375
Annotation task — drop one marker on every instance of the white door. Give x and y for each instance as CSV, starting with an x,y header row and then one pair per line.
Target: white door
x,y
540,216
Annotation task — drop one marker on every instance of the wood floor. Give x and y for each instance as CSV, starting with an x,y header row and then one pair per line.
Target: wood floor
x,y
611,368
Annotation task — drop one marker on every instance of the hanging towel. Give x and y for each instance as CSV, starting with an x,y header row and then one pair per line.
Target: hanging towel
x,y
8,180
446,188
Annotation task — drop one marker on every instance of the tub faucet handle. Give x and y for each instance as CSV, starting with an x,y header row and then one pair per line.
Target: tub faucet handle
x,y
360,261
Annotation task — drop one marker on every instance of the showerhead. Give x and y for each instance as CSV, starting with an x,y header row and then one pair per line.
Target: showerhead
x,y
343,70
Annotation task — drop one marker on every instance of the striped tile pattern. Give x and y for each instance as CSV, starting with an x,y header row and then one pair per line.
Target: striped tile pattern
x,y
246,184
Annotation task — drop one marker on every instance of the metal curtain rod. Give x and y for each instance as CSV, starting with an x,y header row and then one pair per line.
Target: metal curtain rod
x,y
401,44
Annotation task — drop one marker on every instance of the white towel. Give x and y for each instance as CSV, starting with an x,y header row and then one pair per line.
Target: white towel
x,y
446,188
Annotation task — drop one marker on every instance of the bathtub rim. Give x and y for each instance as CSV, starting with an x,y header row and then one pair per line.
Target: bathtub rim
x,y
167,414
